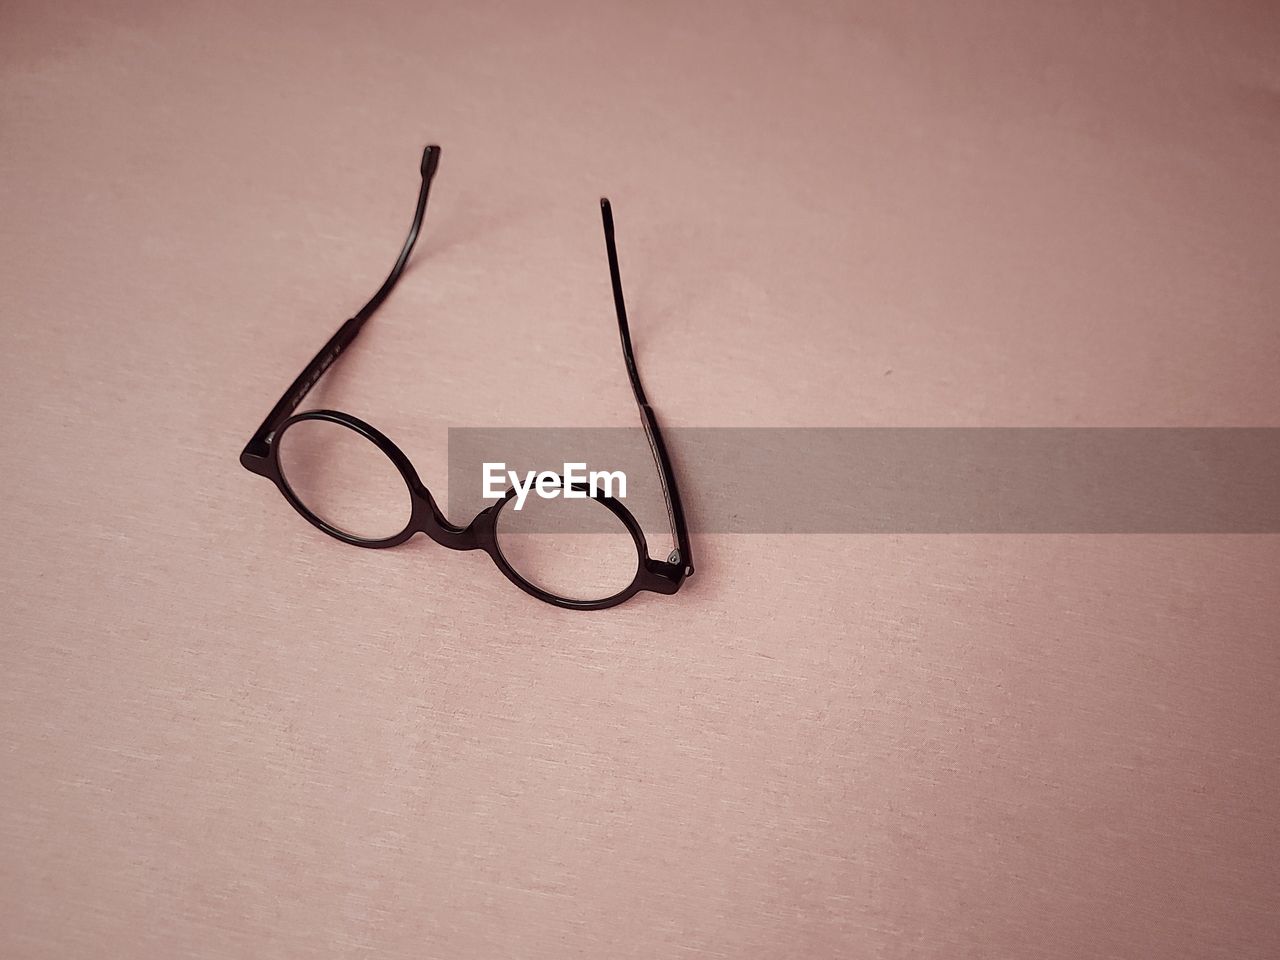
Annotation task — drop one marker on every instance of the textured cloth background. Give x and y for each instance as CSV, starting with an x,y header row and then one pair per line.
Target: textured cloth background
x,y
225,735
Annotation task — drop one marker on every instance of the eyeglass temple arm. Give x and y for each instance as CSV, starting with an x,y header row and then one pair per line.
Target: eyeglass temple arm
x,y
675,509
257,447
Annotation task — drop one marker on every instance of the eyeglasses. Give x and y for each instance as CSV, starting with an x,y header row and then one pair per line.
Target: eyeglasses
x,y
352,482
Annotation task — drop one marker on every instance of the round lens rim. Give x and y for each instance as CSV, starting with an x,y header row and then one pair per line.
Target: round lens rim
x,y
614,506
385,447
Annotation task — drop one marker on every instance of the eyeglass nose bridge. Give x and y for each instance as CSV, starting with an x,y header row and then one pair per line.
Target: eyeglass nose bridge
x,y
429,520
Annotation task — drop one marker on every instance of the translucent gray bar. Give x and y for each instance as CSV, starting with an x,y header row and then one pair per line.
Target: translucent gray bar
x,y
916,480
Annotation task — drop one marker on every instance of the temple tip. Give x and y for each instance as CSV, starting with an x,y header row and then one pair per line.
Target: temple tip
x,y
430,160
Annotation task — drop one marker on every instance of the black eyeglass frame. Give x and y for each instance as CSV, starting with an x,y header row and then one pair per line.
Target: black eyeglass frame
x,y
261,455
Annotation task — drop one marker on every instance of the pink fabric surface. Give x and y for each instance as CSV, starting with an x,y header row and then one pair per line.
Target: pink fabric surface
x,y
225,735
